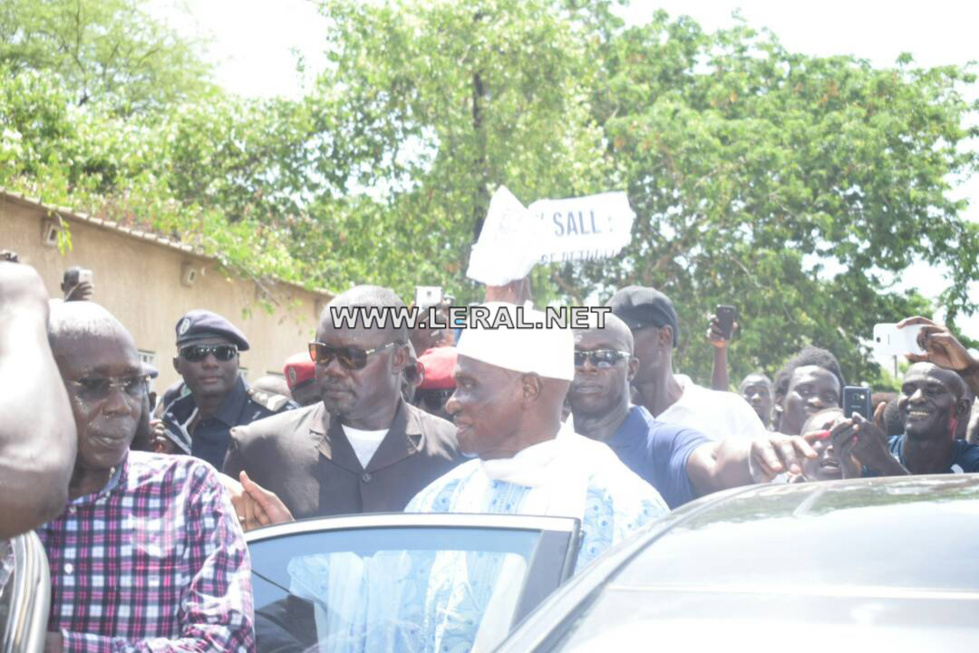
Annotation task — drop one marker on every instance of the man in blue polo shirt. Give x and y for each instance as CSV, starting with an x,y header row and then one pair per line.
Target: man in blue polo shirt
x,y
679,462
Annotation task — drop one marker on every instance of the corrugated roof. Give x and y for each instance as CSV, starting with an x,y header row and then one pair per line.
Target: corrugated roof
x,y
148,236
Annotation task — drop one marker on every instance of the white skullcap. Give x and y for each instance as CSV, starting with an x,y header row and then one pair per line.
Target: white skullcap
x,y
546,352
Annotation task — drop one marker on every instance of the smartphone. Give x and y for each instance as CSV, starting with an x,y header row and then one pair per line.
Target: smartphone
x,y
428,296
891,341
725,317
85,276
857,400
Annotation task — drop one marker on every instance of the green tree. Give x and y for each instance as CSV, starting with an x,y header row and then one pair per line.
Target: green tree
x,y
111,52
450,100
798,188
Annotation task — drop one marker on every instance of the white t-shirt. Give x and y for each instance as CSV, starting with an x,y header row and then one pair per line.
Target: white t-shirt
x,y
716,414
365,443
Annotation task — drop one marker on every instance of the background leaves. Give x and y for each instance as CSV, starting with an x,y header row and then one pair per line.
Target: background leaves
x,y
800,189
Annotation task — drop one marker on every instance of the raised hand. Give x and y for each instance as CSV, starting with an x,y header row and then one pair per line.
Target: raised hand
x,y
714,335
941,347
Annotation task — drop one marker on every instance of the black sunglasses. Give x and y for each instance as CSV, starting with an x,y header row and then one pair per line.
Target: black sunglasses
x,y
600,358
351,358
433,399
197,353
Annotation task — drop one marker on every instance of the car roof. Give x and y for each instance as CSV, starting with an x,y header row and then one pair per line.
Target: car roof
x,y
897,551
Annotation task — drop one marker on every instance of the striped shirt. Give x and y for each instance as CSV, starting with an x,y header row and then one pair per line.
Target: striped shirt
x,y
155,561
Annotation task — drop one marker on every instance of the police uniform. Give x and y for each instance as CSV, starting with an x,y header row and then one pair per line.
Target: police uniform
x,y
208,438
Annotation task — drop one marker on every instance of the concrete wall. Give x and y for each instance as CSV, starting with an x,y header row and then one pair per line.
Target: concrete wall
x,y
140,283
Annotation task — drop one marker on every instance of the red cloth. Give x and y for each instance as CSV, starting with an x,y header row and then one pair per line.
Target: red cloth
x,y
438,363
298,369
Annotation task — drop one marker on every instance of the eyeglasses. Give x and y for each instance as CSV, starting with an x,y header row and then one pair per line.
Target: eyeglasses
x,y
351,358
197,353
98,388
600,358
433,399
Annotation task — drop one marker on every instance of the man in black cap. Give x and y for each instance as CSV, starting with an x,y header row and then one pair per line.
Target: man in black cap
x,y
219,399
675,398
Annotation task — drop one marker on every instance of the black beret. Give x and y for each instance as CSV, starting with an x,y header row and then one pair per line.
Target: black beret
x,y
199,324
640,307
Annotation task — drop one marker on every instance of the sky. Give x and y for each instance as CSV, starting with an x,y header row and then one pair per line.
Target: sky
x,y
255,44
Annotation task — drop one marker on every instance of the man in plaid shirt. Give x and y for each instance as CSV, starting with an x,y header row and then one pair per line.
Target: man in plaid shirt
x,y
148,555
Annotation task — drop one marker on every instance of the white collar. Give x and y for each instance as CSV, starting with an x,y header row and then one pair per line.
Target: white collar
x,y
527,466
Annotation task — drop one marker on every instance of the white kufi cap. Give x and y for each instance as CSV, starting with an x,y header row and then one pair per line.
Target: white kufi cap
x,y
546,352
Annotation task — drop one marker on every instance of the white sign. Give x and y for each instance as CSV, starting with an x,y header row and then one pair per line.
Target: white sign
x,y
515,238
584,228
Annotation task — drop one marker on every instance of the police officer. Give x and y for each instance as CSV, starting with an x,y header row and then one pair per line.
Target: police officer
x,y
219,399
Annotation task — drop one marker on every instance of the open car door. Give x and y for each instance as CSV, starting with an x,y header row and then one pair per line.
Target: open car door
x,y
25,594
405,582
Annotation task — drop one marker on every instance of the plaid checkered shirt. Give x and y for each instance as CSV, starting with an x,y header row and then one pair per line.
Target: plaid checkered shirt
x,y
155,561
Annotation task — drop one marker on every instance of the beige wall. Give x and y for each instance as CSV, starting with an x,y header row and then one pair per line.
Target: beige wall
x,y
139,281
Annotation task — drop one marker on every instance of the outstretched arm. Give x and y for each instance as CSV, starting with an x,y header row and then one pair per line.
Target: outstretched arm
x,y
735,462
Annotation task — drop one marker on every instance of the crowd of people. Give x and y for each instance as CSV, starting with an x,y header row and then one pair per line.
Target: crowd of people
x,y
141,505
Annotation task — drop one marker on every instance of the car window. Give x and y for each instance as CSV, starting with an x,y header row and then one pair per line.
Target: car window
x,y
404,588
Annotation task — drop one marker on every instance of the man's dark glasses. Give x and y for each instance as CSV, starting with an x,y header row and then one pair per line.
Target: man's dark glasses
x,y
197,353
98,388
351,358
600,358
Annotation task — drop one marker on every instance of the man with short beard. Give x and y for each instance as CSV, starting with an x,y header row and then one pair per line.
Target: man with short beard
x,y
148,554
361,448
679,462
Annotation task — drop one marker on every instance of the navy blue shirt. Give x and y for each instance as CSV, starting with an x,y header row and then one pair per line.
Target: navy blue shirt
x,y
965,456
208,439
658,452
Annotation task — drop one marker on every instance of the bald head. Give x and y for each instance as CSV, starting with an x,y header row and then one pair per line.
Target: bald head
x,y
73,323
615,334
384,303
604,366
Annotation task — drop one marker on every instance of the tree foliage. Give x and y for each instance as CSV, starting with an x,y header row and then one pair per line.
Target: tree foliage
x,y
799,188
111,52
